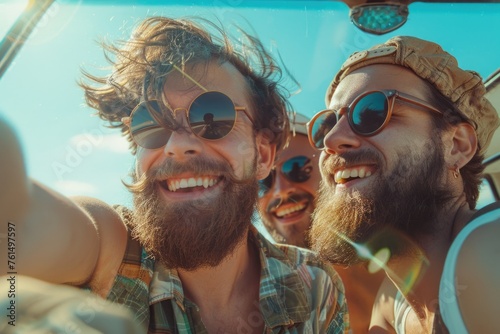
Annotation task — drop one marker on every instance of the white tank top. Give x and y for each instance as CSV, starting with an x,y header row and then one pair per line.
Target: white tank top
x,y
401,310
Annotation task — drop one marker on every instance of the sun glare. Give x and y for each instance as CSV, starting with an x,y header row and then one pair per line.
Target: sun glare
x,y
10,10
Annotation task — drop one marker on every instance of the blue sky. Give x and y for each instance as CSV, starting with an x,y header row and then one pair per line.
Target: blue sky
x,y
69,149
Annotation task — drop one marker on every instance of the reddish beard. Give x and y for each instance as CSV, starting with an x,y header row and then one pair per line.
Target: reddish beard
x,y
199,233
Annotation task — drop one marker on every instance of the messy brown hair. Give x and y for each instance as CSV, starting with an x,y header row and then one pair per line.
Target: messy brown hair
x,y
160,44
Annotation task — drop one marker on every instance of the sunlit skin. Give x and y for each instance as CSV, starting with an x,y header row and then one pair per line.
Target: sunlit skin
x,y
241,271
408,125
183,144
292,226
341,138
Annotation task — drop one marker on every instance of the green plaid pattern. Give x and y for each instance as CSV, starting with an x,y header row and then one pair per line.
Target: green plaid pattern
x,y
298,292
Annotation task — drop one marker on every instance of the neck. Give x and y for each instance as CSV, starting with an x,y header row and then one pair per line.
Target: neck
x,y
236,277
426,261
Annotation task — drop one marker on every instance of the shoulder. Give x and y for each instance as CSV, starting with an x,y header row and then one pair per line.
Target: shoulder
x,y
113,236
476,279
95,207
472,274
477,240
383,308
109,221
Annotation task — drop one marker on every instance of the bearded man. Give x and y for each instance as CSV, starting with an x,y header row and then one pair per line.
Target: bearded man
x,y
286,201
187,258
402,144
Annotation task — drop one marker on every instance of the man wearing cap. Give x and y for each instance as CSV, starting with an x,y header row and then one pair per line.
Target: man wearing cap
x,y
402,144
286,201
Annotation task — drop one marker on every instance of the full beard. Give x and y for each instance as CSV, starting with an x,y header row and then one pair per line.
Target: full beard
x,y
199,233
400,205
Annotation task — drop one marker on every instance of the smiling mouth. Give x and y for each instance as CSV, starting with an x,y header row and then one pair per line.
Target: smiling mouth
x,y
190,184
349,174
290,210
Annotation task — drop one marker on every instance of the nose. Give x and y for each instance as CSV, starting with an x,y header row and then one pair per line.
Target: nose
x,y
282,187
183,143
341,138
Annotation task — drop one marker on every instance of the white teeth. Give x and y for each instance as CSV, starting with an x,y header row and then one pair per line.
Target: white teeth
x,y
286,211
342,175
174,185
338,176
191,182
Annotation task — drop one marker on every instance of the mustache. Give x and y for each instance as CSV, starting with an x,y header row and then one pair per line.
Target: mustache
x,y
294,198
350,158
171,168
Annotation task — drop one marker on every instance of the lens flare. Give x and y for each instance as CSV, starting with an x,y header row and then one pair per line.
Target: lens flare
x,y
385,246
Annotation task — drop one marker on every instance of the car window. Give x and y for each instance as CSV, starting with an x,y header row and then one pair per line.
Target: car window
x,y
10,10
487,194
70,149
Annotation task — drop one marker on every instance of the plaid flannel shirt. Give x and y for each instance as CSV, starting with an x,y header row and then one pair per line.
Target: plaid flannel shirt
x,y
298,292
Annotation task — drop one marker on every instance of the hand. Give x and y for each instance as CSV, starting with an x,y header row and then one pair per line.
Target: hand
x,y
37,307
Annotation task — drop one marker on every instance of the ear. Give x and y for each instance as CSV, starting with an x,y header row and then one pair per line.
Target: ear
x,y
464,144
266,154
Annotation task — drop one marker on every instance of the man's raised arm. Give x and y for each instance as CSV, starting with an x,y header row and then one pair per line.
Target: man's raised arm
x,y
49,236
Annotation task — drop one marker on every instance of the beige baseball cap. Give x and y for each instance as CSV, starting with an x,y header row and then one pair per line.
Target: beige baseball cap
x,y
465,89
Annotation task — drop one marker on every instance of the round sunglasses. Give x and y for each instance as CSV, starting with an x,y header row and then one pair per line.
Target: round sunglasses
x,y
211,116
367,115
297,169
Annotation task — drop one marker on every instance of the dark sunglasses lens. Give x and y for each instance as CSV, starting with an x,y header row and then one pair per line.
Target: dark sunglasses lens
x,y
146,131
297,169
212,115
321,126
266,184
369,113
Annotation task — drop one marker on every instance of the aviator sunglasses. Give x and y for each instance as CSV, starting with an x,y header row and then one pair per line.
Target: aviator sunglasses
x,y
367,115
211,116
297,169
